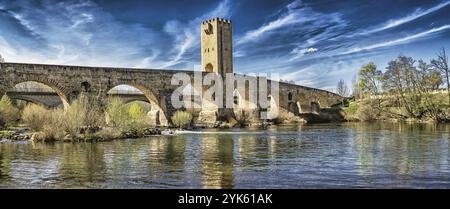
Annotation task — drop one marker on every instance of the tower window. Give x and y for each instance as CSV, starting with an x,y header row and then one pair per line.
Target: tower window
x,y
290,96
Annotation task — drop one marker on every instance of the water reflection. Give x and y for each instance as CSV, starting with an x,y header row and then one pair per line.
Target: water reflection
x,y
217,162
374,155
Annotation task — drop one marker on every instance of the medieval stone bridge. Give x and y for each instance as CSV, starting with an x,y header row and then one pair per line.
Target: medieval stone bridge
x,y
70,81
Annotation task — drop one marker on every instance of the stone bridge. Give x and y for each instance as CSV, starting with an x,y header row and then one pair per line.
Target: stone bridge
x,y
68,82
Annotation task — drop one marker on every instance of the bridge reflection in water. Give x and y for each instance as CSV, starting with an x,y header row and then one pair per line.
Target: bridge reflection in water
x,y
312,156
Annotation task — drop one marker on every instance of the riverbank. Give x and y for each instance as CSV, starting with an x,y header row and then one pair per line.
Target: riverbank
x,y
25,134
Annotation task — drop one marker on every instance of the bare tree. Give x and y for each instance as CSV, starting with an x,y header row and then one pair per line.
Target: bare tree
x,y
342,88
2,59
355,87
441,64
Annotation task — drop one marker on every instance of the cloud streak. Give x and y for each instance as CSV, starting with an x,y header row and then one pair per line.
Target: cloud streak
x,y
397,41
296,14
403,20
186,34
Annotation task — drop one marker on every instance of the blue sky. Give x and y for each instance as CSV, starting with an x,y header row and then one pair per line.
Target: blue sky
x,y
313,42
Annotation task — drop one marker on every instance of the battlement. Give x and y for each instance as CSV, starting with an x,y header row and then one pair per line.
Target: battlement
x,y
220,20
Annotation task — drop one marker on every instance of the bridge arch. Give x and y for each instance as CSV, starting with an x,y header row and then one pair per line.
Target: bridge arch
x,y
157,112
46,85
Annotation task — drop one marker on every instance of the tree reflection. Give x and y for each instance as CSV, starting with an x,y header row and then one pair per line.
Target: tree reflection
x,y
400,148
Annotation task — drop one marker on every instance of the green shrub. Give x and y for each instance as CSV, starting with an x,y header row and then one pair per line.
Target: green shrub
x,y
55,128
137,116
366,113
9,114
181,119
126,116
117,114
35,117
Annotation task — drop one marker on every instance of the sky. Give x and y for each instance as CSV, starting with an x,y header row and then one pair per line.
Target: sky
x,y
312,42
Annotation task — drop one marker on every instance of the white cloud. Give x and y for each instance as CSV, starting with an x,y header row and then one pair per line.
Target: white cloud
x,y
400,21
78,33
298,52
395,42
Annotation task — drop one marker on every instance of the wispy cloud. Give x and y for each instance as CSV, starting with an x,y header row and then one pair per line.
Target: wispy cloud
x,y
399,41
186,34
403,20
77,32
295,13
299,20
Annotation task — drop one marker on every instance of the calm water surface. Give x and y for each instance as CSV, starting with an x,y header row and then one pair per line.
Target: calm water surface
x,y
353,155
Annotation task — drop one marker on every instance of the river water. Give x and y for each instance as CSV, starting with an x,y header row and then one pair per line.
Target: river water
x,y
349,155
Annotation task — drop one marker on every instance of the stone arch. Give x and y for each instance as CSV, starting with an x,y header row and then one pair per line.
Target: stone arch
x,y
158,109
55,86
209,68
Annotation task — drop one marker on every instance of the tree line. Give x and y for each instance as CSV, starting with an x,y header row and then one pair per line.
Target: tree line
x,y
407,89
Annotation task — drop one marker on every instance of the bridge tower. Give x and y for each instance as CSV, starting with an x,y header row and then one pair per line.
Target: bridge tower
x,y
217,57
217,51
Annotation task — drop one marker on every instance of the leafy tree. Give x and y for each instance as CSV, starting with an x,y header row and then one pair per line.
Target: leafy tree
x,y
430,77
370,79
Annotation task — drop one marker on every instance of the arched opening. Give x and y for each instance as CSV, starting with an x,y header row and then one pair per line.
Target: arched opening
x,y
86,86
290,96
209,68
38,93
236,98
147,101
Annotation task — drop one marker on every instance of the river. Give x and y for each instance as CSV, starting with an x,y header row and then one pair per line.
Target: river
x,y
348,155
